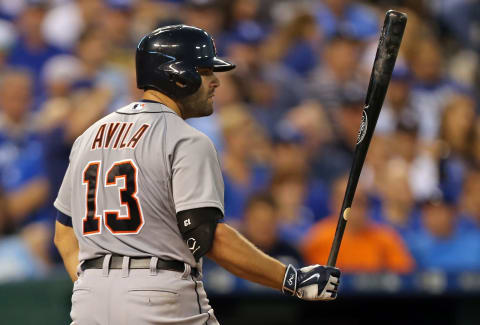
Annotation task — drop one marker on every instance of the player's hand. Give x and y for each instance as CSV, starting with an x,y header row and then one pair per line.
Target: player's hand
x,y
314,282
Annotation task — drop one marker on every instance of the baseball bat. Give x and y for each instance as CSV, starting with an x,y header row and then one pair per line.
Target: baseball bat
x,y
387,51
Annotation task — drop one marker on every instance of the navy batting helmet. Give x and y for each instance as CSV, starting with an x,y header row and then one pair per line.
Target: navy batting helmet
x,y
167,60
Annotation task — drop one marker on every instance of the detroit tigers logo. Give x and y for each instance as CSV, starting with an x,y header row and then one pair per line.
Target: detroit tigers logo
x,y
187,223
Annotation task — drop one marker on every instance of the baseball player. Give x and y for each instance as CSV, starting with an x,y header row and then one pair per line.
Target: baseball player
x,y
142,201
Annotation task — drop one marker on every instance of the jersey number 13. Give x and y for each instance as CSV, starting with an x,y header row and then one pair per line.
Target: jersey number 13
x,y
116,223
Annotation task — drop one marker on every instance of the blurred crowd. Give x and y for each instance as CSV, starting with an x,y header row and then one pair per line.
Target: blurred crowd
x,y
285,123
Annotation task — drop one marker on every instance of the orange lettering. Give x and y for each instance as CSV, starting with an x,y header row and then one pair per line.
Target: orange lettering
x,y
123,144
97,143
119,135
111,131
137,136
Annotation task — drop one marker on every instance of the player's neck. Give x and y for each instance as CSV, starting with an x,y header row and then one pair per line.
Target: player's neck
x,y
161,98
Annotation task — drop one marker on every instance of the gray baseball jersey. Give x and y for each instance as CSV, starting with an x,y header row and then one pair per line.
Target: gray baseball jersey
x,y
129,174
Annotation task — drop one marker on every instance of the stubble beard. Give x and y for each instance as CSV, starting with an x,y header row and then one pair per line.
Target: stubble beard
x,y
196,105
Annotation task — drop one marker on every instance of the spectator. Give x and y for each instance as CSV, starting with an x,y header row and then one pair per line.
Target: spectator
x,y
242,175
59,75
398,106
376,165
335,158
240,11
93,50
297,44
460,18
457,134
148,15
338,73
442,243
23,178
431,87
117,24
366,246
291,165
260,225
207,15
398,208
31,50
58,120
22,173
422,165
290,191
65,23
346,16
312,122
271,88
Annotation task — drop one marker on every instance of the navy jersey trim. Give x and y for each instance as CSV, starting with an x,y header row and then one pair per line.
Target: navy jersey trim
x,y
198,300
64,219
198,297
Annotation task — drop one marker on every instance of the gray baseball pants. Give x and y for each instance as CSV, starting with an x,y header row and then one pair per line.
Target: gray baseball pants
x,y
139,297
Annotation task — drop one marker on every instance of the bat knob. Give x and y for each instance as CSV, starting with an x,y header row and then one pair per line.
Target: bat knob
x,y
396,15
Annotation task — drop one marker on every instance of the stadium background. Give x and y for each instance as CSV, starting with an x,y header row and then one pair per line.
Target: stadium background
x,y
285,127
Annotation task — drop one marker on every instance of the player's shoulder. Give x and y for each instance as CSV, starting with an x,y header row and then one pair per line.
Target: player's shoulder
x,y
179,131
184,139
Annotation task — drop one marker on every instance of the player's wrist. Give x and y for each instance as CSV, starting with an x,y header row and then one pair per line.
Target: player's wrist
x,y
289,286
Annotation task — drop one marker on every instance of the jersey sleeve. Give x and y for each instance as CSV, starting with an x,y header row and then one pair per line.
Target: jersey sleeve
x,y
196,175
63,200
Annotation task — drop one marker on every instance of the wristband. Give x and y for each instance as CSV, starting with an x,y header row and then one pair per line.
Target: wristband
x,y
290,281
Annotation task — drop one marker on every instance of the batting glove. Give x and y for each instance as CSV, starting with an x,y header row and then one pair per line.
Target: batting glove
x,y
314,282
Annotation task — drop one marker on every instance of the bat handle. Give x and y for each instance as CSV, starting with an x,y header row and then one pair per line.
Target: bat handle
x,y
332,258
337,240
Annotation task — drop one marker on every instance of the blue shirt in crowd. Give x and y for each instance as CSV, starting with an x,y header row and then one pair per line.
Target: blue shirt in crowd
x,y
459,252
22,161
21,55
236,195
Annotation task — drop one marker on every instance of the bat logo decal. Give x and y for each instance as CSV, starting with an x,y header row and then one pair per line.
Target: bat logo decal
x,y
363,126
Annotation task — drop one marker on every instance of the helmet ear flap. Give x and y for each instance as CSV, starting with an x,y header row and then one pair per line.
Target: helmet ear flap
x,y
184,80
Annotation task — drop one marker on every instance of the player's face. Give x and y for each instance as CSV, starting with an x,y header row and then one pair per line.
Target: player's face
x,y
201,102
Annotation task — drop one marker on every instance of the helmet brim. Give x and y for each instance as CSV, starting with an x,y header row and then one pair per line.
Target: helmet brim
x,y
220,65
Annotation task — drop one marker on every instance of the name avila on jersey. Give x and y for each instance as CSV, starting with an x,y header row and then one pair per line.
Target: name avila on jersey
x,y
107,136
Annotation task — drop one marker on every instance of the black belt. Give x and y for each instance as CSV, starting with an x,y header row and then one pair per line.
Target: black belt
x,y
116,262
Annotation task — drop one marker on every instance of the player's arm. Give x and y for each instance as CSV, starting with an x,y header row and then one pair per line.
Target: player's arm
x,y
197,177
204,235
239,256
236,254
67,245
228,248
